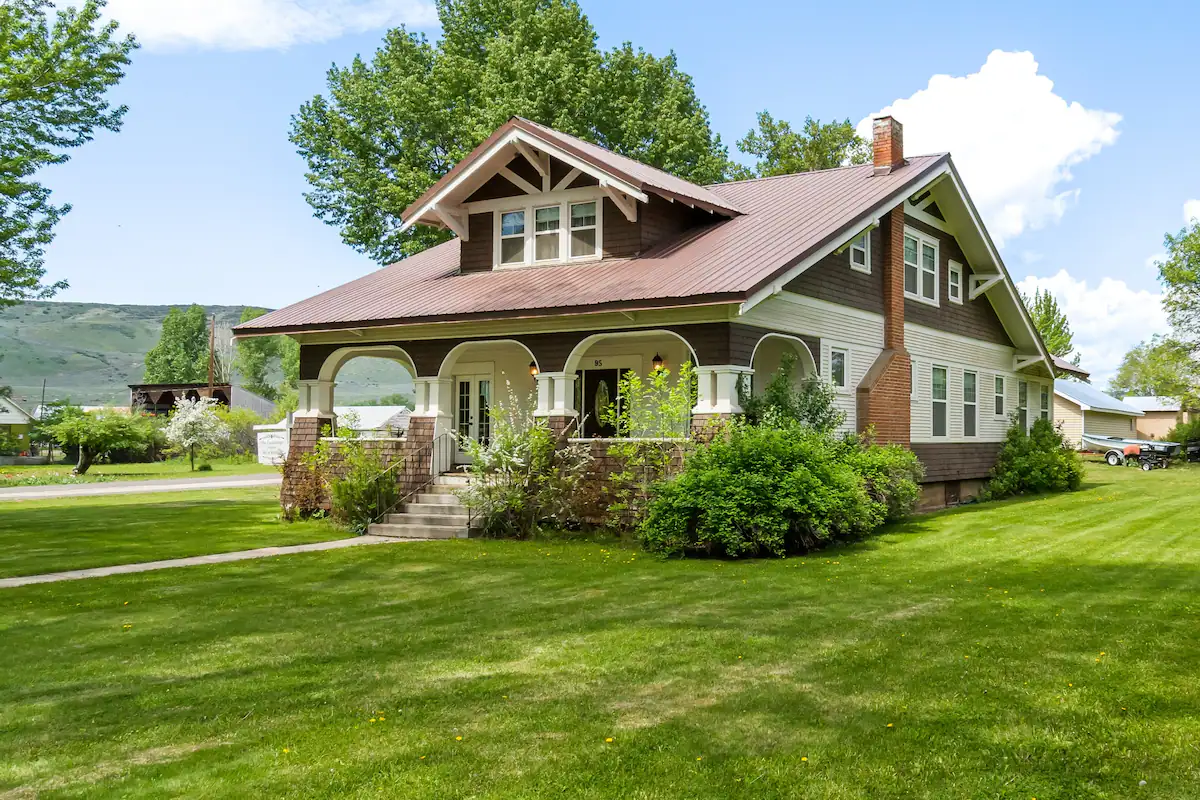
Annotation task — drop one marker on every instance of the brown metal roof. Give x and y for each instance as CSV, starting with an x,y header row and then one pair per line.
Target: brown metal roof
x,y
635,173
785,219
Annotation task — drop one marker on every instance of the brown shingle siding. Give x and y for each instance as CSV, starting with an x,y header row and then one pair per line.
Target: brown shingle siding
x,y
955,461
975,319
477,250
833,280
622,238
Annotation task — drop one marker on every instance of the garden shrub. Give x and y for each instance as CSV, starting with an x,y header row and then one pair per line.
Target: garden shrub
x,y
1184,432
361,491
810,404
1035,462
521,477
653,420
773,489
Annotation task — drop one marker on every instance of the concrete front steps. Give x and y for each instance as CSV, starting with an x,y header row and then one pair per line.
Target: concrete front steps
x,y
436,513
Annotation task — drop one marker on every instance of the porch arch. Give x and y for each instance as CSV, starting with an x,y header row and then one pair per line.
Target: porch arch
x,y
337,359
578,352
766,361
446,370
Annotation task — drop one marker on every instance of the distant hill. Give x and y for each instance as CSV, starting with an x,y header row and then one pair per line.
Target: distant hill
x,y
90,352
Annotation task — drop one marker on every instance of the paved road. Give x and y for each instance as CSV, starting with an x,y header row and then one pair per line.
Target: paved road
x,y
138,487
216,558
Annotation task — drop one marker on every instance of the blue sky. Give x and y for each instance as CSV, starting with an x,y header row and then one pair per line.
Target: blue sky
x,y
199,198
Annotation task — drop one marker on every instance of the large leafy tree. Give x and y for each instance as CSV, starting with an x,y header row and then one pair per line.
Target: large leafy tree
x,y
1162,366
255,357
780,150
1051,322
54,76
1180,276
181,355
100,432
388,128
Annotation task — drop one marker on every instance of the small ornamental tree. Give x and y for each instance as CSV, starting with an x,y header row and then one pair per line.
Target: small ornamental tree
x,y
98,432
194,423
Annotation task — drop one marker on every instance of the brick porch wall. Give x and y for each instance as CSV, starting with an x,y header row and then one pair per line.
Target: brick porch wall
x,y
297,491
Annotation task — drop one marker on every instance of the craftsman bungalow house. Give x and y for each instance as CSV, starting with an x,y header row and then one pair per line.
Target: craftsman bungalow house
x,y
571,264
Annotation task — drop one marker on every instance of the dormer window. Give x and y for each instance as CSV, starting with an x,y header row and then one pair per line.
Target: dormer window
x,y
512,237
583,229
563,232
548,236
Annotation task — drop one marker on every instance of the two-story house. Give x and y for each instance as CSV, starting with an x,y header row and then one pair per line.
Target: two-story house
x,y
571,264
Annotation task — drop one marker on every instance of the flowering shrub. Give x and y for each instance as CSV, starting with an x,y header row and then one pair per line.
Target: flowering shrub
x,y
521,476
1035,462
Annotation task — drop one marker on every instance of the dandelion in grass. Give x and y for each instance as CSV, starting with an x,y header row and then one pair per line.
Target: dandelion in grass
x,y
804,758
458,738
609,740
890,725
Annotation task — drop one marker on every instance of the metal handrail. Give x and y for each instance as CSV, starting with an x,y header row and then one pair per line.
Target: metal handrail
x,y
443,441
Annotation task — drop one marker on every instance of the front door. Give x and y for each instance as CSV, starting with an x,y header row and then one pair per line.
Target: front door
x,y
599,390
472,406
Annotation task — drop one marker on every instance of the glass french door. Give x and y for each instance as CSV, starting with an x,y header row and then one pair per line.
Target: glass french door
x,y
472,407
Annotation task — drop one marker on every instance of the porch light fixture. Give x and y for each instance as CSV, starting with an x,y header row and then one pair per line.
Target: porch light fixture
x,y
657,362
533,369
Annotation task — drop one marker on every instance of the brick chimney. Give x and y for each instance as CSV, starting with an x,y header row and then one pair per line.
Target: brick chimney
x,y
888,141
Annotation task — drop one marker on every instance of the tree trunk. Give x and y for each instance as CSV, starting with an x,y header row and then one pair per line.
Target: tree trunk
x,y
85,461
192,456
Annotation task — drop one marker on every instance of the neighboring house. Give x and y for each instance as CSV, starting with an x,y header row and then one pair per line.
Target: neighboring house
x,y
15,424
1159,415
1082,408
159,398
376,421
572,264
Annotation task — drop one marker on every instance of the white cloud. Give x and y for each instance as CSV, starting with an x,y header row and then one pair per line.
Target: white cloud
x,y
1013,139
259,24
1191,211
1106,320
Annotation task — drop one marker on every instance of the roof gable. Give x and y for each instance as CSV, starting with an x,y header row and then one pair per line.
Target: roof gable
x,y
523,153
13,414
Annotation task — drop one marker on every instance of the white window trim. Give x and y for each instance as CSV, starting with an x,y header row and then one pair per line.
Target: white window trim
x,y
845,351
866,250
974,405
914,373
1025,408
529,204
1002,394
933,402
937,267
1048,411
954,268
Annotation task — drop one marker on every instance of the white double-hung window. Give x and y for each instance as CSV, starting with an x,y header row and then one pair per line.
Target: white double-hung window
x,y
860,253
512,237
547,236
1045,403
954,282
1023,404
583,229
999,410
970,402
920,267
940,397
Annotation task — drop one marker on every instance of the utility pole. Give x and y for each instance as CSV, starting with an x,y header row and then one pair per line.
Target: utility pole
x,y
212,351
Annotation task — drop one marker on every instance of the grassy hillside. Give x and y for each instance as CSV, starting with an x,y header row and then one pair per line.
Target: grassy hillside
x,y
90,352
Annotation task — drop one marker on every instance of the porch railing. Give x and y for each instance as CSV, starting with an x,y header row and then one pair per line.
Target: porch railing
x,y
441,455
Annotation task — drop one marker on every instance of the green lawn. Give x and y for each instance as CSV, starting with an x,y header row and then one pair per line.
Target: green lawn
x,y
39,536
43,474
1044,648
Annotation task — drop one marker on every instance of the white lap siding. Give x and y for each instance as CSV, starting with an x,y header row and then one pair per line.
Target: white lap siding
x,y
928,348
859,333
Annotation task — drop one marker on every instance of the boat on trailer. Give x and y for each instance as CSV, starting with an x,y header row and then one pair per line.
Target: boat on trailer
x,y
1115,449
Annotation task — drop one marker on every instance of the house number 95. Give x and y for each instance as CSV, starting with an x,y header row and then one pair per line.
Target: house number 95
x,y
599,362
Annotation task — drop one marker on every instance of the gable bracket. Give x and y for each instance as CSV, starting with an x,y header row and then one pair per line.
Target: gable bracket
x,y
845,245
981,283
539,161
454,219
1023,360
627,204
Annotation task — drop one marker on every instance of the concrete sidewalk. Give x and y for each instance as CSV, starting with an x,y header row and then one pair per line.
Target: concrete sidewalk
x,y
216,558
138,487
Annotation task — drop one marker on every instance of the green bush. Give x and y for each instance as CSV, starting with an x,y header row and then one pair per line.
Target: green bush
x,y
1184,432
1035,462
204,468
361,492
781,401
772,490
